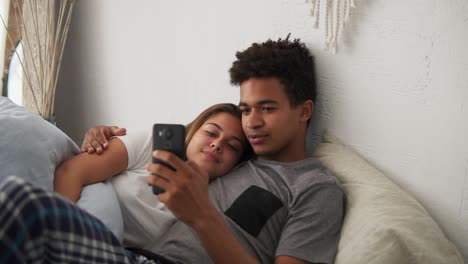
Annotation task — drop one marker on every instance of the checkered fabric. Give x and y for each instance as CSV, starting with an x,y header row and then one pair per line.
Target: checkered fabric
x,y
37,226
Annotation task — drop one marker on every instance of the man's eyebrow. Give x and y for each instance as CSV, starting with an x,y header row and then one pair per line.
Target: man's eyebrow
x,y
220,128
262,102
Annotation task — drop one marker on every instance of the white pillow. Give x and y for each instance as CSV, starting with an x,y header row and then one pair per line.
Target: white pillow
x,y
383,223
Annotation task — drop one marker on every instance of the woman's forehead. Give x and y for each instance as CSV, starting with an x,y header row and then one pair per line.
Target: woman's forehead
x,y
223,118
226,123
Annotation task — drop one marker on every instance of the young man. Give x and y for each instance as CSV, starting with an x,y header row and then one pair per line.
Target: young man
x,y
278,208
281,207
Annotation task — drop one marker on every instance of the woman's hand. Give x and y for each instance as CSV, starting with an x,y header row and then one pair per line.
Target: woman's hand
x,y
186,188
96,139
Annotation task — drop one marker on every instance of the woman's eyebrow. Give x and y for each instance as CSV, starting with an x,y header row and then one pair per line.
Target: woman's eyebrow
x,y
216,125
221,129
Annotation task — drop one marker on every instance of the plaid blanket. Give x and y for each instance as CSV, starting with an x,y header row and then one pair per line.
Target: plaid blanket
x,y
37,226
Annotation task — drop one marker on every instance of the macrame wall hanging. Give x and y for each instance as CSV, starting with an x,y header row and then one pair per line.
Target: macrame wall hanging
x,y
336,14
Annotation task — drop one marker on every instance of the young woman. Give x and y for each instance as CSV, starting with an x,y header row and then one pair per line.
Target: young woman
x,y
39,226
214,141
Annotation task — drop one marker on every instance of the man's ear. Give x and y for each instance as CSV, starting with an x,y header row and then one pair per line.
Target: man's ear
x,y
307,110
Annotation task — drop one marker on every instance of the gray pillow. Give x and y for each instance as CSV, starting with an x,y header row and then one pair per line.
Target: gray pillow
x,y
100,200
31,148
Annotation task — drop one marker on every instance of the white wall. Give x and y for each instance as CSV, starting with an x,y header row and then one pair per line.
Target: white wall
x,y
396,91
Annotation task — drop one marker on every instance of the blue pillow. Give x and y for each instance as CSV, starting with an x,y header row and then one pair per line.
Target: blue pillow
x,y
31,148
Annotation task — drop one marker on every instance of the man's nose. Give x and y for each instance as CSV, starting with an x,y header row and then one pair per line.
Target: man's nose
x,y
254,120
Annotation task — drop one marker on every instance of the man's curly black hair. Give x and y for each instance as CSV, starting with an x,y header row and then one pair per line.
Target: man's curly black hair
x,y
289,61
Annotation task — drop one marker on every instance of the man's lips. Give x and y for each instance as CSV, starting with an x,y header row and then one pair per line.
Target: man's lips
x,y
211,156
257,139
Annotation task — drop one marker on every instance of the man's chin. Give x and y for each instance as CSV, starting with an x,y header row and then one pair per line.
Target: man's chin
x,y
261,151
212,177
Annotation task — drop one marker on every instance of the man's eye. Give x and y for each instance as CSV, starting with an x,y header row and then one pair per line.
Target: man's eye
x,y
245,110
267,109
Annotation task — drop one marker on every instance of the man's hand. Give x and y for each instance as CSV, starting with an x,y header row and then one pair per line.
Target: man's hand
x,y
186,188
188,199
96,139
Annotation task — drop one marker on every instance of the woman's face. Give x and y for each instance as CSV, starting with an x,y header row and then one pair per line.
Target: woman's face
x,y
217,145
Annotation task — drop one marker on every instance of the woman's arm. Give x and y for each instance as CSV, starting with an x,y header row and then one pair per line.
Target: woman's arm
x,y
85,169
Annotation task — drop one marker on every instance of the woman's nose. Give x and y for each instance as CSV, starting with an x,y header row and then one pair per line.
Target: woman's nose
x,y
216,146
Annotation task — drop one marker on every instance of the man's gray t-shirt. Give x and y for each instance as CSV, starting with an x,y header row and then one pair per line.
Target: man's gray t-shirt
x,y
274,209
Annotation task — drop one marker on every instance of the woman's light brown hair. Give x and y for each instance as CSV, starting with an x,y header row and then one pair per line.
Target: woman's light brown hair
x,y
228,108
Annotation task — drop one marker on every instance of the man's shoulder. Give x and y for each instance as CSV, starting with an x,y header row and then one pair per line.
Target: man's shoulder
x,y
306,172
322,175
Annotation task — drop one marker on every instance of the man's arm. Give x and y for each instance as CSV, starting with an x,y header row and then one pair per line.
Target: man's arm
x,y
219,241
187,197
85,169
291,260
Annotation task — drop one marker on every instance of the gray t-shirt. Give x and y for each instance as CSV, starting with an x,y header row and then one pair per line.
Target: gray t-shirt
x,y
274,209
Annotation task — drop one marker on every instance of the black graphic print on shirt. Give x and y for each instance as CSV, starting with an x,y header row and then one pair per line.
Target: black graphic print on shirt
x,y
252,209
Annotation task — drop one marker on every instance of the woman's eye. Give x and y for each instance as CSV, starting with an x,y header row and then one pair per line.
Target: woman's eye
x,y
209,133
234,147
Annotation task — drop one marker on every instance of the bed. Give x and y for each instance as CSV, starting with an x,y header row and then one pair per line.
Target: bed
x,y
383,223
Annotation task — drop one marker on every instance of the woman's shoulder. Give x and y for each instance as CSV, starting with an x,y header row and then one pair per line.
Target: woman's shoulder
x,y
138,143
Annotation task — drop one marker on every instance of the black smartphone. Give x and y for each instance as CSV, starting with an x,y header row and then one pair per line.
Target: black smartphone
x,y
169,137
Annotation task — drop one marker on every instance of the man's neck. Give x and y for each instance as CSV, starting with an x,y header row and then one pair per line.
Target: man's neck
x,y
286,156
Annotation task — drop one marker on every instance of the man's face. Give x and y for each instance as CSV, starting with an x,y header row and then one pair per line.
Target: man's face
x,y
275,130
